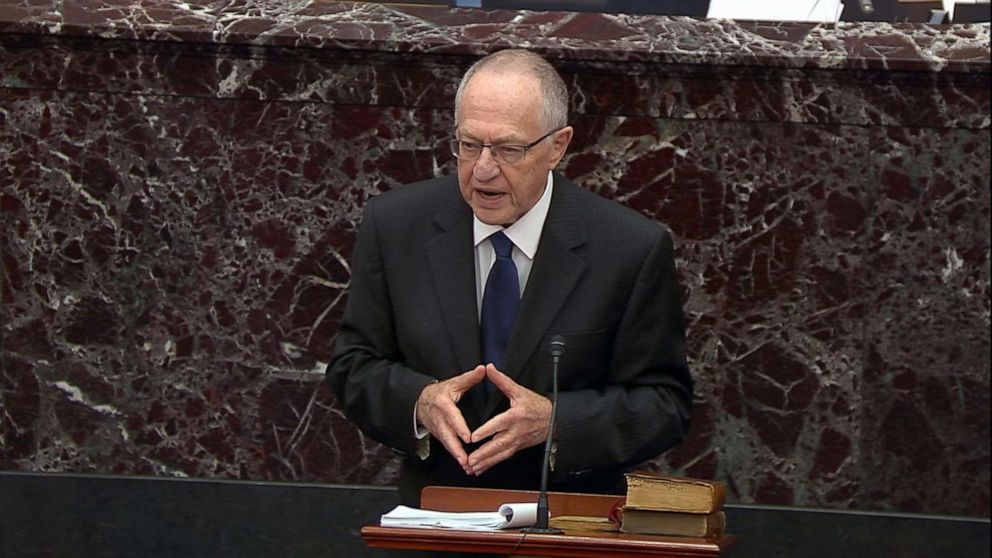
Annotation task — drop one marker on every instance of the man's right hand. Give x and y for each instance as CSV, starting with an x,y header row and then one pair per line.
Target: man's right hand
x,y
437,411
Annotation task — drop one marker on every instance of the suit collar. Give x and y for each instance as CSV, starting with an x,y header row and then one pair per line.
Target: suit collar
x,y
451,207
564,218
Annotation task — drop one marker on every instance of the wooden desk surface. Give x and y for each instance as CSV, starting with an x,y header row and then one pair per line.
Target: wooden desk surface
x,y
572,544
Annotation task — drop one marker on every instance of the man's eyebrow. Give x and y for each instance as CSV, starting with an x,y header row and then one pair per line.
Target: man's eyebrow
x,y
506,140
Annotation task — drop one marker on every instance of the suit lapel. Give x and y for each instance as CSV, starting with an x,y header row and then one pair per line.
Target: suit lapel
x,y
555,273
452,264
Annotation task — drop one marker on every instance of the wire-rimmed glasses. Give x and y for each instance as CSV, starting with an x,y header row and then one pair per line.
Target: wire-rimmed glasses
x,y
503,153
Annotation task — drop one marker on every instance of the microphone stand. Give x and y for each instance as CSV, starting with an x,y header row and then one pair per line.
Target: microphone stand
x,y
543,513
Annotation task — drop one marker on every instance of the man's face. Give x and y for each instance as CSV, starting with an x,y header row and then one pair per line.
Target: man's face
x,y
505,108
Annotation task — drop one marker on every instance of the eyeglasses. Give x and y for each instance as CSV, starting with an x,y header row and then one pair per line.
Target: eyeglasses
x,y
504,153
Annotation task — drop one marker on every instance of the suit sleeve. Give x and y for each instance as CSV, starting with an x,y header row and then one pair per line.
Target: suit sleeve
x,y
644,407
378,393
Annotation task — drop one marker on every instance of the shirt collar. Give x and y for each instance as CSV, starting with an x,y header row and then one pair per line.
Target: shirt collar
x,y
526,231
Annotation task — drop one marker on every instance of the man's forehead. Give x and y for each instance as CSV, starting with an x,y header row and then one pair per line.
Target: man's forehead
x,y
507,82
499,106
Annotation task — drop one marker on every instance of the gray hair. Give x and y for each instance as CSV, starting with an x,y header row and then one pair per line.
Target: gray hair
x,y
554,101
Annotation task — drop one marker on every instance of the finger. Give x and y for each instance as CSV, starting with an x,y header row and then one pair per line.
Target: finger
x,y
526,421
492,426
451,417
454,446
445,422
462,382
491,453
439,412
502,382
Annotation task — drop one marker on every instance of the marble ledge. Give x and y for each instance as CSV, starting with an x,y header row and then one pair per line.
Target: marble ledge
x,y
587,37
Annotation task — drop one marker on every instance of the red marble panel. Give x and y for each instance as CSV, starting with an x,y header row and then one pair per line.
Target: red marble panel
x,y
927,338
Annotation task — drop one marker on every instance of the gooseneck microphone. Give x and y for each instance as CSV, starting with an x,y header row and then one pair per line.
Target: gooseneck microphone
x,y
543,514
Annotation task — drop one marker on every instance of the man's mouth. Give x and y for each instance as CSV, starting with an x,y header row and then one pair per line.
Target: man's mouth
x,y
490,194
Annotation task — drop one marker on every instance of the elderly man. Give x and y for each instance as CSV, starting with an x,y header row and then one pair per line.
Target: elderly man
x,y
459,283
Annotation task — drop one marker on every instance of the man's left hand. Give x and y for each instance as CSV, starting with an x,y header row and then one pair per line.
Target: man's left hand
x,y
523,425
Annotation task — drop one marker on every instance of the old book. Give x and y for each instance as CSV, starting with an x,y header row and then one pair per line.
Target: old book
x,y
655,491
582,523
648,522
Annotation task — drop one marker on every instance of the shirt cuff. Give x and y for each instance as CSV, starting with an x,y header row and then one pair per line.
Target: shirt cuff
x,y
421,434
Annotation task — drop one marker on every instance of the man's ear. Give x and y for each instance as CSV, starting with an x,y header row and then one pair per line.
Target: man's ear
x,y
561,140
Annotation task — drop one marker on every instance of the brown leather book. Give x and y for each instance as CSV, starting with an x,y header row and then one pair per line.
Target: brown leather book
x,y
647,522
660,492
582,523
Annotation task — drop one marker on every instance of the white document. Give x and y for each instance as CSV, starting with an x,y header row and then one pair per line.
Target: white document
x,y
777,10
509,516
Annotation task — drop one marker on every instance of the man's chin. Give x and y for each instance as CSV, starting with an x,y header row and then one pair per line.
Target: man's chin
x,y
493,216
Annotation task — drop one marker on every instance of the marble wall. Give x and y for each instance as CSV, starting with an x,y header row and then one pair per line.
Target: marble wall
x,y
181,184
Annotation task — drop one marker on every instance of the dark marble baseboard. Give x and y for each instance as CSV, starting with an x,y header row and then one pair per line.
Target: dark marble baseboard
x,y
122,516
107,516
180,184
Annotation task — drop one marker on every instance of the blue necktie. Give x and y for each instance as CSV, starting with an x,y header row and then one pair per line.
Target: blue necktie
x,y
499,302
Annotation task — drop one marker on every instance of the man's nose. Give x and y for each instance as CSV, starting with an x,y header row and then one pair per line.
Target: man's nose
x,y
486,167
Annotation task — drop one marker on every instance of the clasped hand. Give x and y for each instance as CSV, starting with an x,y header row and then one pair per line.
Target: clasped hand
x,y
523,425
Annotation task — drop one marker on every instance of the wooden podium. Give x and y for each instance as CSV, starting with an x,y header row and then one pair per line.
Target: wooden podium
x,y
571,543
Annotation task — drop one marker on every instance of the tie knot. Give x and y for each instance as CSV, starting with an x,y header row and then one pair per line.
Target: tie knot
x,y
502,245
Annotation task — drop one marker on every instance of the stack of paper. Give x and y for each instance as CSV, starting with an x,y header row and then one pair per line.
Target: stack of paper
x,y
509,516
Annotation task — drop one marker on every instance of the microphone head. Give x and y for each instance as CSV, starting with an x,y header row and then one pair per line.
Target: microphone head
x,y
557,346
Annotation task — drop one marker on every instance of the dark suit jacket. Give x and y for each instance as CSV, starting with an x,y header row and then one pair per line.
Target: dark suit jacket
x,y
603,277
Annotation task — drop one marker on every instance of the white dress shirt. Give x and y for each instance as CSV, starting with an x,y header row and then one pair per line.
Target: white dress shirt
x,y
525,234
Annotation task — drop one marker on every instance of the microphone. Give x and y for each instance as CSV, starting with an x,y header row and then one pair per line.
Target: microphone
x,y
543,514
557,349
